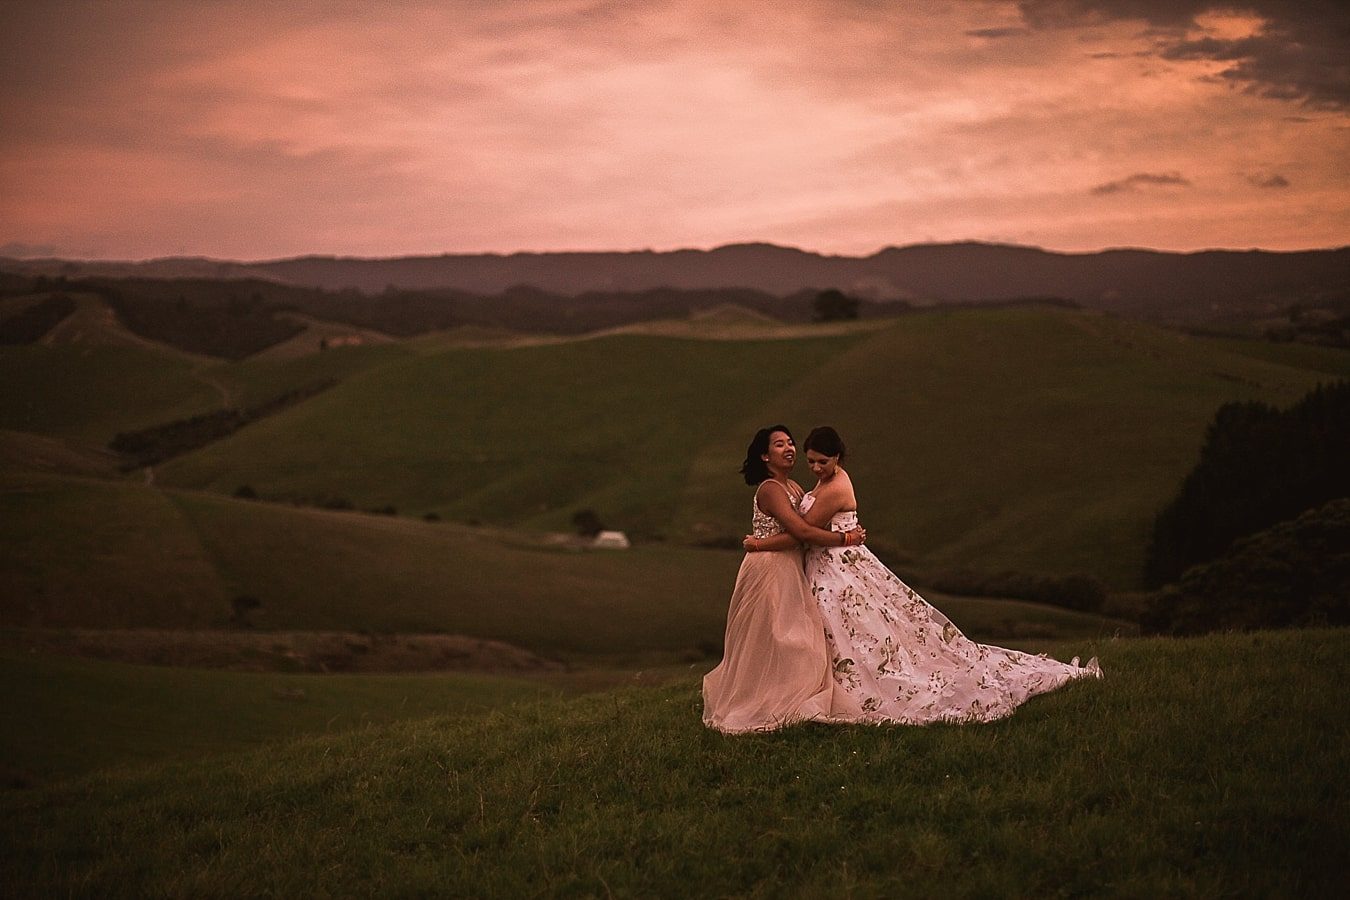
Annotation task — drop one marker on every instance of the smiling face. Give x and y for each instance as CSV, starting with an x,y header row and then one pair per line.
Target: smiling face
x,y
822,466
782,455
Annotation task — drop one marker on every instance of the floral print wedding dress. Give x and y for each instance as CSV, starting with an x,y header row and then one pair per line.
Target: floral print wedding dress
x,y
895,658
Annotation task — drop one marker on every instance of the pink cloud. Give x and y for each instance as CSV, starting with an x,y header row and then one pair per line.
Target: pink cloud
x,y
250,130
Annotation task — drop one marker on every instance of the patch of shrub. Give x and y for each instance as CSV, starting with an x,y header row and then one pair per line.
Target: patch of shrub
x,y
1296,573
244,604
30,325
218,319
587,523
160,442
1258,466
833,305
245,492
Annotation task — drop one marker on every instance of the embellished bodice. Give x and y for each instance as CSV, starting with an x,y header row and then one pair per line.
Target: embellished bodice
x,y
844,520
763,525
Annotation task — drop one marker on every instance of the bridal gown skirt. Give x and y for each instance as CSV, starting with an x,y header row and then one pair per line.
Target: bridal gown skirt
x,y
895,658
775,667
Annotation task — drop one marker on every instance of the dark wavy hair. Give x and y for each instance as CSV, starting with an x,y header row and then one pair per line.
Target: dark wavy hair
x,y
755,469
827,441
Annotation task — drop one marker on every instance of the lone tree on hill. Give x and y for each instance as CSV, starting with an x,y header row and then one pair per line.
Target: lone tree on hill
x,y
832,305
587,523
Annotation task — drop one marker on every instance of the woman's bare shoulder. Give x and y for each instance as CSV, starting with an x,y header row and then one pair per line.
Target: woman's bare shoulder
x,y
840,488
771,496
839,484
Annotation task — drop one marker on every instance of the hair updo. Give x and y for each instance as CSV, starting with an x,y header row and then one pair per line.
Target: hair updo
x,y
754,468
827,441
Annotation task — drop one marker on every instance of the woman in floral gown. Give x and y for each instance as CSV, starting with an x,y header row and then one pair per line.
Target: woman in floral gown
x,y
775,667
894,657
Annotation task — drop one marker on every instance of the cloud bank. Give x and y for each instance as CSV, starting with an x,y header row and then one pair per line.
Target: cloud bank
x,y
251,129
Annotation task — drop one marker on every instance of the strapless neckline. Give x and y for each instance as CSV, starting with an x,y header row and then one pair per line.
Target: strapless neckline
x,y
844,520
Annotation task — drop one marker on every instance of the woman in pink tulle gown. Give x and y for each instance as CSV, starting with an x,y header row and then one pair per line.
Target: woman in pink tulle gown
x,y
775,667
893,657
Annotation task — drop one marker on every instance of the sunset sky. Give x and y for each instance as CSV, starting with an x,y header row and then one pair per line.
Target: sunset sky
x,y
252,130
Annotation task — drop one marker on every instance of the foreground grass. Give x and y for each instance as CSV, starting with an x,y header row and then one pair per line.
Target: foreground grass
x,y
1207,767
74,716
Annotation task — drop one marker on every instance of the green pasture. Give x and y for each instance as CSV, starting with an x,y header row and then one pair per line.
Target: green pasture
x,y
85,552
68,717
1206,767
1038,440
522,436
90,392
256,380
1033,439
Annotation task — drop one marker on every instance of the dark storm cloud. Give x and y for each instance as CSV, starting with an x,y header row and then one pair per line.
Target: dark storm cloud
x,y
998,32
1269,181
1141,179
1301,53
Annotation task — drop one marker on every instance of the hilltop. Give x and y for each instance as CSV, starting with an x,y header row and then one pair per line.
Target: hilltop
x,y
1216,286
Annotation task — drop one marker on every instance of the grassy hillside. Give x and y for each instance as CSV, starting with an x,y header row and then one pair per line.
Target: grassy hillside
x,y
89,392
121,554
91,378
523,435
78,716
261,378
1034,439
1040,441
1208,767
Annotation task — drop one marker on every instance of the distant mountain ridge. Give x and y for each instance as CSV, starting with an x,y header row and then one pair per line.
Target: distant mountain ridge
x,y
1176,287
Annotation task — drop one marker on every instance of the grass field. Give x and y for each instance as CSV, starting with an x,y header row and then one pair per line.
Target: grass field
x,y
1032,439
1035,440
78,716
91,392
85,552
525,435
1038,440
1206,767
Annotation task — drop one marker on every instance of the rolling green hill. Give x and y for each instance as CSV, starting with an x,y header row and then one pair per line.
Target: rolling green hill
x,y
1040,440
89,392
85,552
1207,767
79,716
1029,439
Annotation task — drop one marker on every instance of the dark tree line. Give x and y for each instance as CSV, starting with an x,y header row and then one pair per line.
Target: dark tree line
x,y
153,445
235,318
242,325
1293,574
834,305
30,325
1259,466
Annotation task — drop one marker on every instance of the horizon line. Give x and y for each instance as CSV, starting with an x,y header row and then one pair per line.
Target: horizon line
x,y
646,250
